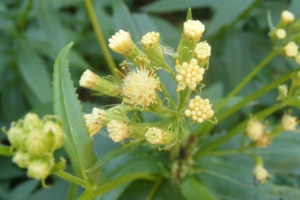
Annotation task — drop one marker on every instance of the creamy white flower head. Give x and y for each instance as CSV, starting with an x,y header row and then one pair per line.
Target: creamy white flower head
x,y
291,49
297,59
121,43
118,130
93,121
287,17
189,74
88,79
289,123
150,40
193,30
139,87
154,135
260,173
199,109
202,51
280,33
255,129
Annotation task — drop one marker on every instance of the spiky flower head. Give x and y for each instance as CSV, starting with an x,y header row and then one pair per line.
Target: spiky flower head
x,y
193,30
202,51
291,49
155,135
139,87
199,109
280,33
287,17
289,123
255,129
150,40
118,130
260,173
189,74
121,43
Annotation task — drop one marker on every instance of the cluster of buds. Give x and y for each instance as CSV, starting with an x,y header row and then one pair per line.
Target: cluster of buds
x,y
256,132
34,141
286,35
140,85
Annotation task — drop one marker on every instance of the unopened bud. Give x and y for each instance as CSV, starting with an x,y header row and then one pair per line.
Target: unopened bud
x,y
291,49
255,129
287,17
283,92
31,121
38,143
155,135
289,123
55,133
39,169
21,158
118,130
16,136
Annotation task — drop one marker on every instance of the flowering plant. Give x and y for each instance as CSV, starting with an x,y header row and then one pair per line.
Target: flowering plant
x,y
164,129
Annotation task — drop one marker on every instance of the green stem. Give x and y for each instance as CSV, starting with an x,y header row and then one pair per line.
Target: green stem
x,y
5,150
154,189
104,188
264,113
248,99
73,179
166,93
263,63
184,97
229,152
101,40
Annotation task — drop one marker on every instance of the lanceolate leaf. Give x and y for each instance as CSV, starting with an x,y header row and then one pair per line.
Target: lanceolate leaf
x,y
192,189
66,105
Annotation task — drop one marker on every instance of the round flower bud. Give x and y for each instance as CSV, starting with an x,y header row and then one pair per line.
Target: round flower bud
x,y
39,169
55,134
150,40
199,109
155,135
287,17
31,121
280,33
118,130
202,51
139,87
16,136
21,158
38,143
193,30
291,49
255,129
289,123
121,43
189,74
260,173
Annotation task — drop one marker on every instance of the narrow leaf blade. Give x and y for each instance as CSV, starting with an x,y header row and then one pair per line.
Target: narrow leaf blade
x,y
66,105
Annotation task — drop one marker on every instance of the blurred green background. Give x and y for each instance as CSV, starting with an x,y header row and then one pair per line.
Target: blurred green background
x,y
32,32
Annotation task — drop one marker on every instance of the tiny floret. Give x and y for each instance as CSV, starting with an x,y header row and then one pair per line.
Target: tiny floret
x,y
88,79
139,87
189,74
255,129
93,121
150,40
202,51
118,130
289,123
291,49
280,33
260,173
154,135
121,43
287,17
193,30
199,109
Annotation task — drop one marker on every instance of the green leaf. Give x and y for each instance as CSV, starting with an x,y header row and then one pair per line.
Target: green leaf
x,y
177,5
192,189
23,191
294,7
232,9
34,72
118,151
66,105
